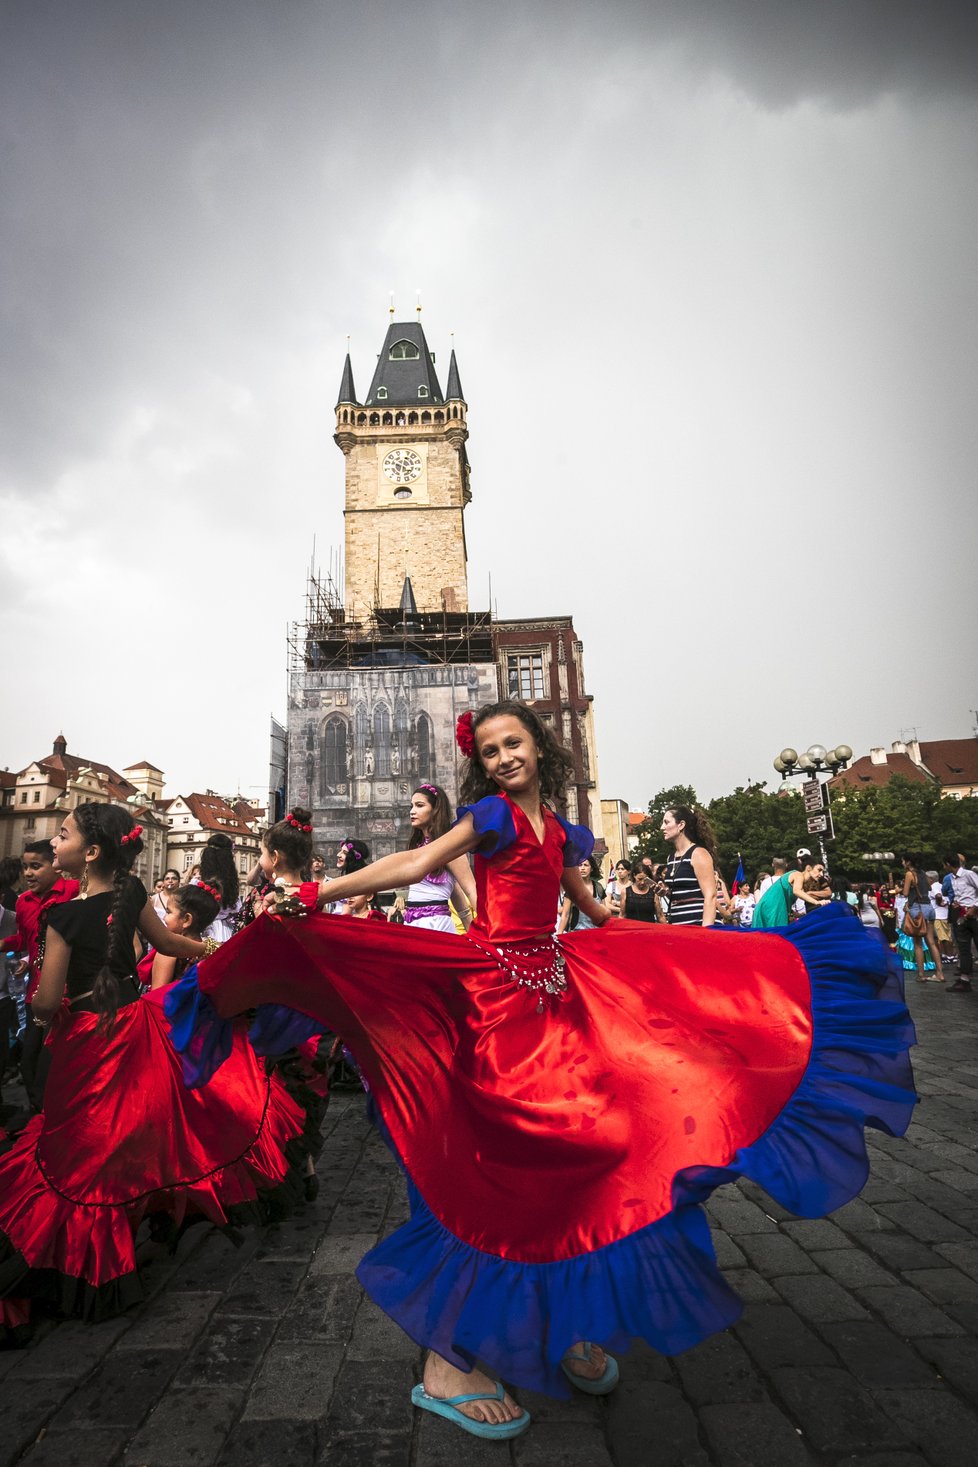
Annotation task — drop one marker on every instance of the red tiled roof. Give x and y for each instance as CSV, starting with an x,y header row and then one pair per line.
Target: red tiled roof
x,y
69,765
952,761
863,772
637,817
7,779
213,813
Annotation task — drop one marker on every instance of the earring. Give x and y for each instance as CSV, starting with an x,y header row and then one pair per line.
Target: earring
x,y
83,884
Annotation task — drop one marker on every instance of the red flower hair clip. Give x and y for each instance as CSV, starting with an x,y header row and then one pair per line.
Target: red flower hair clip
x,y
297,824
211,891
464,736
133,834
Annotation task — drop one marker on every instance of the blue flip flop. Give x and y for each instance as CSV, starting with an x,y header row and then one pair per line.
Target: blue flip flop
x,y
447,1406
605,1382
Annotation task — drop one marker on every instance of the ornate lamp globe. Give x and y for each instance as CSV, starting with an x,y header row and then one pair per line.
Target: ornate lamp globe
x,y
843,753
816,753
780,765
788,757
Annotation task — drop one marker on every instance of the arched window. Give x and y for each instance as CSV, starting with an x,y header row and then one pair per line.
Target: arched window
x,y
426,763
454,412
374,419
345,416
399,762
361,734
382,739
439,416
422,391
333,766
387,420
404,351
361,419
426,417
381,393
401,420
412,419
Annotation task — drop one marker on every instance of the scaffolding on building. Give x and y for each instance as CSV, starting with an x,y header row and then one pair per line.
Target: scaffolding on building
x,y
327,640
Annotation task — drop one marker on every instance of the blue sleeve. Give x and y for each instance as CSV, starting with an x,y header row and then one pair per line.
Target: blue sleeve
x,y
579,843
493,821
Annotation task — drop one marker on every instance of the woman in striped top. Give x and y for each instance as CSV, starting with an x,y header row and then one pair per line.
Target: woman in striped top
x,y
691,876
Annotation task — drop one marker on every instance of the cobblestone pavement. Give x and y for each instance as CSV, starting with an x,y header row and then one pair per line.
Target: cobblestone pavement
x,y
857,1345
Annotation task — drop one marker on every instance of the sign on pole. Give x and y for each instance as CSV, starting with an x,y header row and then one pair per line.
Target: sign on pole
x,y
821,824
814,799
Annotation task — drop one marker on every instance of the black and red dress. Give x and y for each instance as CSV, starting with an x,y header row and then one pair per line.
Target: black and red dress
x,y
121,1138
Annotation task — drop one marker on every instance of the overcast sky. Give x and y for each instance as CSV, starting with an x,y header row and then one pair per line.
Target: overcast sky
x,y
711,273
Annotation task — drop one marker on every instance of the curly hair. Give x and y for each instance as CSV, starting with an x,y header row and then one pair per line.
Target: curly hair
x,y
287,838
555,767
110,828
217,863
698,827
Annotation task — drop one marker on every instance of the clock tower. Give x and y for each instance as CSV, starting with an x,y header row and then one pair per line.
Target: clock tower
x,y
407,481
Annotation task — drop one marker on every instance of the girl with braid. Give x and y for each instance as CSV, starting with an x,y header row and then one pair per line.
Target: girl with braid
x,y
121,1138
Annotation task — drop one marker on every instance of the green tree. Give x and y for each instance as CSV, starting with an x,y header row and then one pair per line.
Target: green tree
x,y
755,825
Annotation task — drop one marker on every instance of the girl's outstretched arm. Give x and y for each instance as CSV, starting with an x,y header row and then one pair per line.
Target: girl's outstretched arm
x,y
403,867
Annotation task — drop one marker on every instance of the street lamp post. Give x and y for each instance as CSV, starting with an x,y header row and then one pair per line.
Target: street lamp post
x,y
817,760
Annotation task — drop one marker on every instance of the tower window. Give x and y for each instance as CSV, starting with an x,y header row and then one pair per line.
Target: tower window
x,y
334,753
382,740
381,392
524,672
404,351
402,494
422,392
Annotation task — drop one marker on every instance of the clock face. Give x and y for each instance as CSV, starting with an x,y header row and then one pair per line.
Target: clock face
x,y
402,465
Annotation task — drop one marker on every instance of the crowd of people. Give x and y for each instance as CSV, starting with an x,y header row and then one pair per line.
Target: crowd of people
x,y
510,1015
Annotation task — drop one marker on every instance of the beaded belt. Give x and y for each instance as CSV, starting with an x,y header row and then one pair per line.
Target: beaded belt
x,y
538,964
413,911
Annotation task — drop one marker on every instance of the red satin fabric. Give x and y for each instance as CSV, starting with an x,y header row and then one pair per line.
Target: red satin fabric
x,y
538,1136
121,1137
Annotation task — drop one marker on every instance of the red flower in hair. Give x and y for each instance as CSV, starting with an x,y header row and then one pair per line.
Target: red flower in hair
x,y
464,736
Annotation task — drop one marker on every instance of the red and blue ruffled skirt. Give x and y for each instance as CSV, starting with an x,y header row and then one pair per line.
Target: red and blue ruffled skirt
x,y
557,1152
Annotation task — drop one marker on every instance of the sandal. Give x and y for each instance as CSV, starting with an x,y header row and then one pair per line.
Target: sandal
x,y
447,1406
604,1384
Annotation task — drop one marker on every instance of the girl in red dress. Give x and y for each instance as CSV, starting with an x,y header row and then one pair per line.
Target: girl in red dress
x,y
120,1137
561,1106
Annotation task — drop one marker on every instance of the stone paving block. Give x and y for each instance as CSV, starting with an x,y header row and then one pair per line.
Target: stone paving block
x,y
736,1215
340,1253
774,1336
876,1357
642,1363
859,1217
25,1411
170,1322
354,1217
755,1193
898,1252
966,1315
774,1255
751,1287
124,1389
818,1299
266,1288
324,1309
294,1384
650,1425
959,1178
373,1449
372,1395
215,1264
943,1285
885,1459
576,1408
956,1361
908,1313
816,1234
71,1350
296,1239
834,1413
376,1336
727,1252
558,1444
751,1433
187,1429
922,1222
438,1446
228,1352
878,1189
97,1447
944,1429
271,1444
961,1255
718,1371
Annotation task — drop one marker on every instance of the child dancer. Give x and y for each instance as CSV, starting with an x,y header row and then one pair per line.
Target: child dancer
x,y
427,900
189,912
120,1137
633,1068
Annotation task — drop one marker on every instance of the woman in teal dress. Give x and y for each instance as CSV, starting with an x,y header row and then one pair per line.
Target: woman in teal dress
x,y
774,907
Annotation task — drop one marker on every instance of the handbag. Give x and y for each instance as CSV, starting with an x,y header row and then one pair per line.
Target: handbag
x,y
913,926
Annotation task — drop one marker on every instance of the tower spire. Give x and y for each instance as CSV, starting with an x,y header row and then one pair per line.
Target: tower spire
x,y
453,390
348,393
